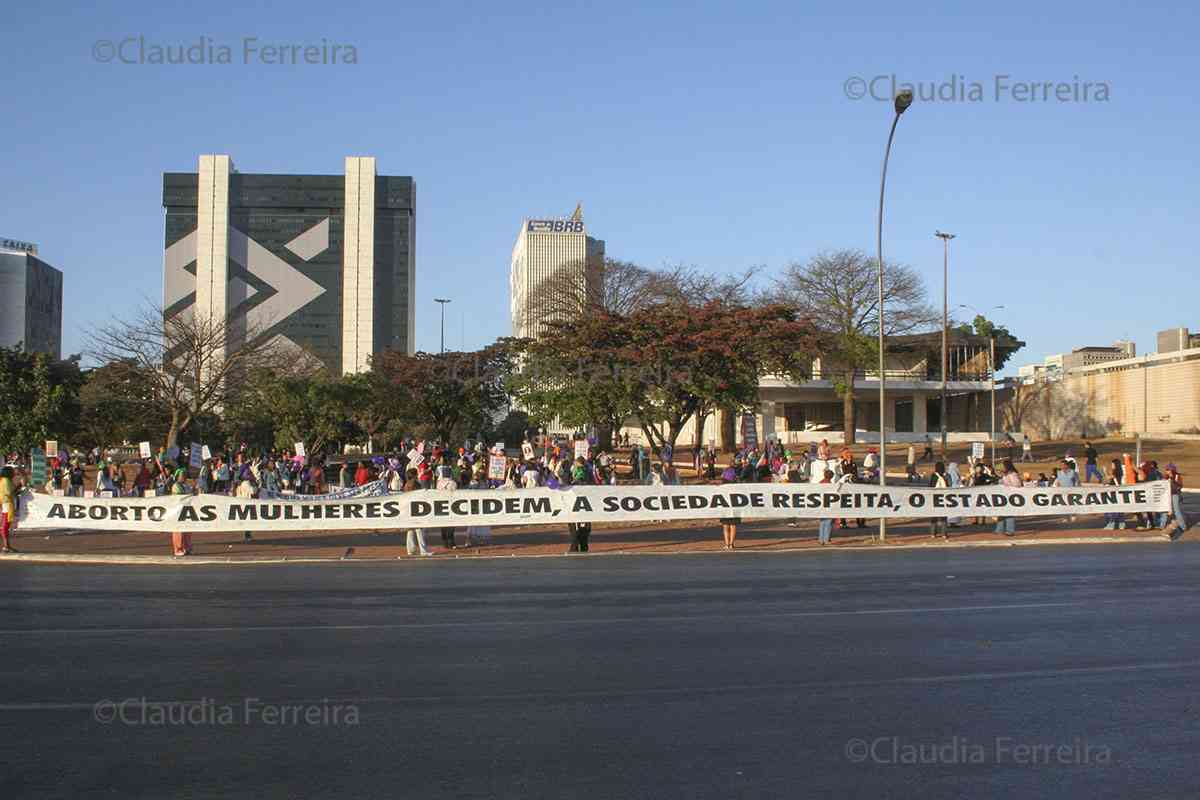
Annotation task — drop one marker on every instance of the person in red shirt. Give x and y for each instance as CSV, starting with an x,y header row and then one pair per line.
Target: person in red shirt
x,y
362,475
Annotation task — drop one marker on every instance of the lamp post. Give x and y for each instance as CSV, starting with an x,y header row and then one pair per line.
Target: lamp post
x,y
945,237
901,103
991,374
442,302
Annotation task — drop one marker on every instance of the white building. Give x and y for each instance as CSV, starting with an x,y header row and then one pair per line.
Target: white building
x,y
553,267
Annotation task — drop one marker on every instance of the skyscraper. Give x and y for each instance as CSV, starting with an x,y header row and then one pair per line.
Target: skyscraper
x,y
30,300
319,263
554,270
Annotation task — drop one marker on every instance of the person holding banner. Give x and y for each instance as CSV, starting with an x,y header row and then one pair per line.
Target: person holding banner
x,y
729,524
8,508
181,543
938,480
1008,525
415,539
825,526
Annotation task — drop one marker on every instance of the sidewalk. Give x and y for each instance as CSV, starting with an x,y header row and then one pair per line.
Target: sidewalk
x,y
540,541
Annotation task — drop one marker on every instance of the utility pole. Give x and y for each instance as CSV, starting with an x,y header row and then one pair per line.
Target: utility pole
x,y
945,237
992,374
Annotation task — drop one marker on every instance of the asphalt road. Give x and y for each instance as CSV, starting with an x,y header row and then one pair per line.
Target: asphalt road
x,y
1043,672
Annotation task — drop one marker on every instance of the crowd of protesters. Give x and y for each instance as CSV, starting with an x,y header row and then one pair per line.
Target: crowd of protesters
x,y
421,465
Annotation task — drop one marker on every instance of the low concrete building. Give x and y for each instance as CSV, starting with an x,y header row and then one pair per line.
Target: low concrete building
x,y
813,410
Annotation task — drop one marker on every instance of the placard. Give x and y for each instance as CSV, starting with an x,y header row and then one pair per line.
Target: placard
x,y
37,467
300,450
51,449
527,451
144,449
205,453
497,465
172,452
750,430
195,457
415,457
977,451
582,449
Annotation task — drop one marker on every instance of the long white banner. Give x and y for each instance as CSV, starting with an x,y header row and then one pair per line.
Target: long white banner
x,y
432,509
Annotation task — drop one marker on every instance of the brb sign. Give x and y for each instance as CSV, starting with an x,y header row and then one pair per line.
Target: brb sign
x,y
555,226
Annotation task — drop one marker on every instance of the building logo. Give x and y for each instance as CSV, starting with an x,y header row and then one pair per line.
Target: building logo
x,y
555,226
19,246
286,289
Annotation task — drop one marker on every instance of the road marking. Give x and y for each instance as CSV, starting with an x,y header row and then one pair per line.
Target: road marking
x,y
754,614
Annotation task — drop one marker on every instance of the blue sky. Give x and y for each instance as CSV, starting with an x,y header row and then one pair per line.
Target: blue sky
x,y
711,134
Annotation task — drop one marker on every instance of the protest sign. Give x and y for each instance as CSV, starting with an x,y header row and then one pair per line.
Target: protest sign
x,y
977,451
527,451
582,448
195,456
144,449
496,468
37,467
300,450
51,449
205,453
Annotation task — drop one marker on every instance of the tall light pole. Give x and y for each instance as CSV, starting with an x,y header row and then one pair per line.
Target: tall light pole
x,y
901,103
442,302
945,237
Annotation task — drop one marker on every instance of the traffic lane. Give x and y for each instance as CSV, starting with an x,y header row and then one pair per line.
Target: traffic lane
x,y
497,674
734,738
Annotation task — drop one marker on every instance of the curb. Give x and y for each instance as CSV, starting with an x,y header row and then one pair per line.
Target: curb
x,y
71,558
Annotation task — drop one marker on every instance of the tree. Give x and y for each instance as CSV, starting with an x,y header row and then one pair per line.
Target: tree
x,y
39,398
1021,403
1006,343
117,405
194,363
839,292
614,286
458,394
665,364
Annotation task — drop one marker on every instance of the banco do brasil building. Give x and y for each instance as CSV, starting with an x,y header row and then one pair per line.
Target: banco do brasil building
x,y
319,263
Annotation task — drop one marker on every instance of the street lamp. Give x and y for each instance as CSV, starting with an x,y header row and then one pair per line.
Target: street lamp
x,y
442,302
945,237
903,100
991,372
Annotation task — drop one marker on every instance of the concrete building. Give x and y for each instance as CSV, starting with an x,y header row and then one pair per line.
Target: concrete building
x,y
553,269
324,264
1157,393
810,411
31,292
1055,366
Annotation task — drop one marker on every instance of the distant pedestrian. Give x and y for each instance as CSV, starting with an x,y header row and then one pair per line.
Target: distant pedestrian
x,y
1026,448
927,455
1090,455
